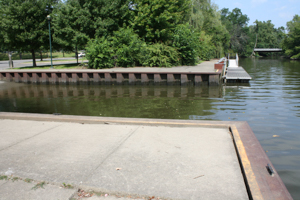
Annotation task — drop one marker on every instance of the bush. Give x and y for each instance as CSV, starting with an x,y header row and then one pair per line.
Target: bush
x,y
100,53
127,46
158,55
187,43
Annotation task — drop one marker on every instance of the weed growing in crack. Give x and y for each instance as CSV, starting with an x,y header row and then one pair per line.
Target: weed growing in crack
x,y
39,185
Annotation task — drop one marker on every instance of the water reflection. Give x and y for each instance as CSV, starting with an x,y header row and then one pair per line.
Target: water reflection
x,y
171,102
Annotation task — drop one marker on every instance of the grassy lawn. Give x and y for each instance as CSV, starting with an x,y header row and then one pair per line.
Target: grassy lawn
x,y
65,66
16,56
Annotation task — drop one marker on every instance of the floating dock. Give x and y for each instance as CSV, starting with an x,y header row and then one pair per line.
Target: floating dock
x,y
149,158
234,73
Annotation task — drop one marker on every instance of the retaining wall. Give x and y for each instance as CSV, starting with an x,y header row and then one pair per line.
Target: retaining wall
x,y
100,77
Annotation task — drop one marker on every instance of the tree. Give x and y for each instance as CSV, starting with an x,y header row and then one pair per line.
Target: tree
x,y
76,21
265,35
291,43
155,20
236,24
205,18
24,24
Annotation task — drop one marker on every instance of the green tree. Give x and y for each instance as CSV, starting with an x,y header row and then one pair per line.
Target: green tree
x,y
205,18
291,43
155,20
24,24
76,21
236,24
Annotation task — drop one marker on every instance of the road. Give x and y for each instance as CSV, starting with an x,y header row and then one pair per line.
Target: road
x,y
24,62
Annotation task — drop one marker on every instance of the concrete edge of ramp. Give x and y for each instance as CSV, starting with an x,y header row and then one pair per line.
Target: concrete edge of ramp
x,y
253,160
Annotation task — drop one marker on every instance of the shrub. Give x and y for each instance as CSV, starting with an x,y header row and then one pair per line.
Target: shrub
x,y
187,43
127,45
158,55
100,53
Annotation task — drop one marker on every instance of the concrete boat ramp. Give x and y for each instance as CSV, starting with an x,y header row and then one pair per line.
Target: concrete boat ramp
x,y
74,157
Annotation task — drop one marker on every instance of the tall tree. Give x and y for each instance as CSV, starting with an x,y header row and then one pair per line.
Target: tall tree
x,y
236,23
24,24
77,21
205,18
155,20
291,43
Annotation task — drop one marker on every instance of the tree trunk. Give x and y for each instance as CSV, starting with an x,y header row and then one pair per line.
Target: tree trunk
x,y
63,53
41,55
76,54
33,58
20,54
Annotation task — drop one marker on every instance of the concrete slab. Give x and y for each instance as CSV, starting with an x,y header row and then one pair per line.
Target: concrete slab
x,y
23,191
161,161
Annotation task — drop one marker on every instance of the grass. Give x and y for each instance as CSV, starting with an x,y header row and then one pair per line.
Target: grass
x,y
3,177
16,56
65,66
39,185
69,186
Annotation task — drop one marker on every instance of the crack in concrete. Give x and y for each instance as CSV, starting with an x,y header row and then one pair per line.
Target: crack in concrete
x,y
28,138
112,151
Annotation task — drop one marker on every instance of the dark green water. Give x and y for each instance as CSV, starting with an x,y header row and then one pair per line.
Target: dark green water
x,y
270,104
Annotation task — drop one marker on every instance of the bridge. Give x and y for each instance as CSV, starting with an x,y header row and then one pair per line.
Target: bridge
x,y
267,50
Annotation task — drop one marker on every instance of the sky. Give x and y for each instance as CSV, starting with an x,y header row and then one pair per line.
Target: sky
x,y
278,11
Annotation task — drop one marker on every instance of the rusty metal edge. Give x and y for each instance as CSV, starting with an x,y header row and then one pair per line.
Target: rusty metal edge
x,y
253,159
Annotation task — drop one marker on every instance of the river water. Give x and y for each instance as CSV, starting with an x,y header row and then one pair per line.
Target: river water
x,y
270,104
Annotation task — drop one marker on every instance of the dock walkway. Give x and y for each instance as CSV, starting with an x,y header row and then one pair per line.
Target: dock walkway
x,y
233,73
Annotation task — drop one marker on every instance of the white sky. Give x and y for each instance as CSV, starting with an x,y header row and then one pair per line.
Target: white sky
x,y
278,11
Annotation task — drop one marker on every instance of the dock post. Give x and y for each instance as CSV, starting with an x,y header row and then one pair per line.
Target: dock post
x,y
198,79
120,78
132,78
35,78
108,78
214,79
144,79
9,77
170,79
26,78
96,78
157,79
18,77
183,79
64,78
75,78
45,78
54,78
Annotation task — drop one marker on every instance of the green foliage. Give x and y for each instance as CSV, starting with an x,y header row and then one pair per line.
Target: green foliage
x,y
236,24
155,20
100,53
23,24
291,43
205,18
158,55
206,50
187,43
127,46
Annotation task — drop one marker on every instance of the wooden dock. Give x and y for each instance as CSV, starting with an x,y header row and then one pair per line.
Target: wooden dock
x,y
235,74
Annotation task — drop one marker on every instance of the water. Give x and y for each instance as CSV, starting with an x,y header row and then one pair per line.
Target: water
x,y
270,104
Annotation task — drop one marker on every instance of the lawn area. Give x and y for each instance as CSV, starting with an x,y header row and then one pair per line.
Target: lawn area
x,y
65,66
16,56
